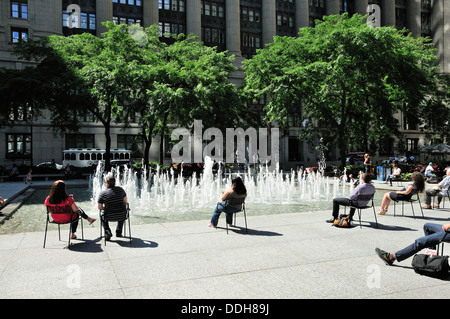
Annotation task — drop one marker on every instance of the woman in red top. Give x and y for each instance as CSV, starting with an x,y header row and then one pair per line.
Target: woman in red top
x,y
58,202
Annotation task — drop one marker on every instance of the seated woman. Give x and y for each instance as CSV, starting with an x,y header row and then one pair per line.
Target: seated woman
x,y
237,190
58,201
417,186
395,174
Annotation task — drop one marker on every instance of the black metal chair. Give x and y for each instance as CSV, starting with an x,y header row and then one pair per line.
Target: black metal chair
x,y
125,219
410,200
444,194
440,247
62,211
237,201
366,198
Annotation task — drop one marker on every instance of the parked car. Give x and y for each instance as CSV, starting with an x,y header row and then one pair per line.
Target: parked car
x,y
49,164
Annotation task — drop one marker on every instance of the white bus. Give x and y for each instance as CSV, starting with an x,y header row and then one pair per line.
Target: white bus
x,y
82,157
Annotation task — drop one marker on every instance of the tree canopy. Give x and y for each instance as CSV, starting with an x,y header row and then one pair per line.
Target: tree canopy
x,y
127,71
346,79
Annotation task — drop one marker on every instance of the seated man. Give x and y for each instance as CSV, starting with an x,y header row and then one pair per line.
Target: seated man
x,y
434,233
365,188
112,201
440,190
395,174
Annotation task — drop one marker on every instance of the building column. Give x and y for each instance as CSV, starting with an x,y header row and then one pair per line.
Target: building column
x,y
333,7
301,14
414,17
269,21
150,13
104,12
388,13
440,18
233,27
361,7
194,17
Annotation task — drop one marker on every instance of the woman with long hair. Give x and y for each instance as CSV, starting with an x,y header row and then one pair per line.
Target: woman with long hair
x,y
58,201
237,190
417,186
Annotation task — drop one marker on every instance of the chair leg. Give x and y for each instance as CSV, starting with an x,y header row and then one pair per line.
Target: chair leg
x,y
45,235
245,217
129,229
375,214
359,214
412,208
420,205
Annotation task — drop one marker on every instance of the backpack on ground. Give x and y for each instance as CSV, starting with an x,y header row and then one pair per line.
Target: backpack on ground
x,y
342,221
429,265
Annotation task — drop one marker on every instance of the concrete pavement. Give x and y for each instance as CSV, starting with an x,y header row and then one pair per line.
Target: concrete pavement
x,y
287,256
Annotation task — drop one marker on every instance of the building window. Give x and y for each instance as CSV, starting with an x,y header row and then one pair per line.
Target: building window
x,y
172,5
18,34
129,21
166,28
130,142
412,144
18,146
87,20
19,9
295,147
79,141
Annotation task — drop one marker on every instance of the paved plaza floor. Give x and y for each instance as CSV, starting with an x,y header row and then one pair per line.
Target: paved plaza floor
x,y
285,256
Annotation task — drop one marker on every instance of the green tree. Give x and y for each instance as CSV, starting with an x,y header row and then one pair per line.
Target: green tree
x,y
348,78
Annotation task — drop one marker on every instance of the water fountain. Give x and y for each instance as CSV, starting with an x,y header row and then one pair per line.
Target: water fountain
x,y
164,192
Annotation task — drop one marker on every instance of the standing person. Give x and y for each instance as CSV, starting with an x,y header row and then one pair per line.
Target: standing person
x,y
395,174
417,186
367,163
113,202
2,202
365,188
67,171
59,200
237,190
434,234
29,177
440,190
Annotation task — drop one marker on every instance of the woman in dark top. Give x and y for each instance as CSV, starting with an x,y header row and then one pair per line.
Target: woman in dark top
x,y
237,190
417,186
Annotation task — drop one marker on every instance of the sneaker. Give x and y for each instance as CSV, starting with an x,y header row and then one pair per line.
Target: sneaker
x,y
331,221
108,235
118,234
385,256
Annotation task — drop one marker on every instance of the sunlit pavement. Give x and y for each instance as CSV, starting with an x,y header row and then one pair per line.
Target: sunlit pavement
x,y
282,256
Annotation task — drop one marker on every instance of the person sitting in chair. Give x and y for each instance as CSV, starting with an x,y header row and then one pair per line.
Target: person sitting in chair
x,y
237,190
113,202
365,188
396,171
405,194
440,190
59,200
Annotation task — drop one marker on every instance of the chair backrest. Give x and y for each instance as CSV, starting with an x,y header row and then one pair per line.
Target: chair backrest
x,y
237,202
56,210
118,216
60,214
362,200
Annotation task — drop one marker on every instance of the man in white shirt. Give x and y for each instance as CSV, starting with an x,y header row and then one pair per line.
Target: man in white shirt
x,y
365,188
440,190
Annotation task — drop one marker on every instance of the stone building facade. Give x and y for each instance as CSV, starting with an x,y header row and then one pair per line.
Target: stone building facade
x,y
239,26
